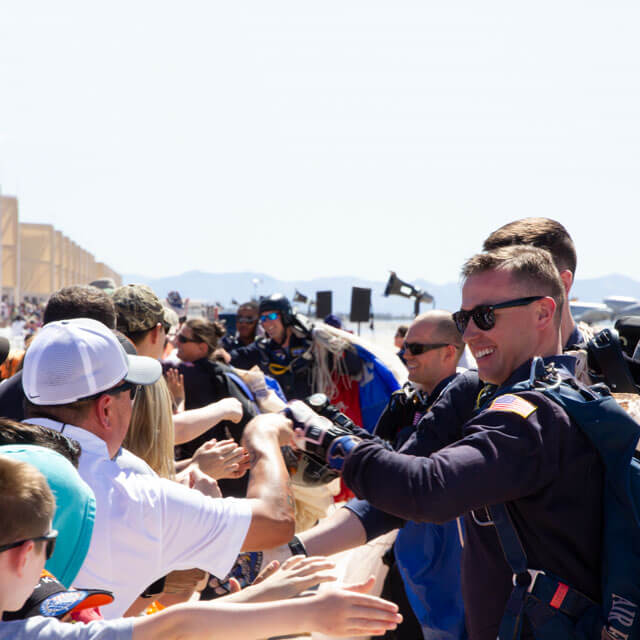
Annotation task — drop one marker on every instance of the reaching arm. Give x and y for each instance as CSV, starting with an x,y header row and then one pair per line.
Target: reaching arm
x,y
269,490
342,612
340,531
190,424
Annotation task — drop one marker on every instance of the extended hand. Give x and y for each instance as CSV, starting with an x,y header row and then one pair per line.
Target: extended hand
x,y
175,382
296,575
351,612
224,459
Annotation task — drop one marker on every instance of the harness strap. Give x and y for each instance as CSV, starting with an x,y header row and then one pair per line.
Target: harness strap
x,y
559,595
530,584
511,624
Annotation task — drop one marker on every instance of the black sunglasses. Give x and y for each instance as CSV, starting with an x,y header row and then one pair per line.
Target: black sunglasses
x,y
245,320
184,339
49,537
417,348
483,314
125,386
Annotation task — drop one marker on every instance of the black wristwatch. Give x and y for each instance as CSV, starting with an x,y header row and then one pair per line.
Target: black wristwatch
x,y
296,547
154,589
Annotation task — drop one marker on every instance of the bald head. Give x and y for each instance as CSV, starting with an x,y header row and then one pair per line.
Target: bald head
x,y
443,346
443,326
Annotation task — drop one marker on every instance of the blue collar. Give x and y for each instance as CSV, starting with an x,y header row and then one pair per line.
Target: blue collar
x,y
575,340
561,362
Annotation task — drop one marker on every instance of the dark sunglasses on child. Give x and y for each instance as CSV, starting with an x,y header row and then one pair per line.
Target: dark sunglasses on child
x,y
49,537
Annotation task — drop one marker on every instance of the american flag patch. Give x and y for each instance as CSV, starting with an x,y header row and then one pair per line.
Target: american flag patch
x,y
514,404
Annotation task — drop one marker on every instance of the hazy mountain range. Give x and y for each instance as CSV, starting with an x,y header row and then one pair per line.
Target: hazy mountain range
x,y
223,287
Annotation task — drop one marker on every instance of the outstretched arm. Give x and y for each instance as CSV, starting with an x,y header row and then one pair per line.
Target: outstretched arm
x,y
190,424
269,490
343,612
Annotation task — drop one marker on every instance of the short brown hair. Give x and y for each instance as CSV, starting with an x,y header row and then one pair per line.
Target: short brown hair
x,y
540,232
80,301
26,502
71,413
12,432
207,332
531,267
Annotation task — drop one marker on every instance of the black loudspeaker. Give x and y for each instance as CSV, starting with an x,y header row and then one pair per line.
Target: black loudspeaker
x,y
360,304
324,303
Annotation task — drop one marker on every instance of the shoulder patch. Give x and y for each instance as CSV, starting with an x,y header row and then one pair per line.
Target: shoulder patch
x,y
514,404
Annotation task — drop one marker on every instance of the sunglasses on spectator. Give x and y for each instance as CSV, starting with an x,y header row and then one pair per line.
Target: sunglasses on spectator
x,y
483,315
273,315
417,348
245,320
125,386
184,339
49,537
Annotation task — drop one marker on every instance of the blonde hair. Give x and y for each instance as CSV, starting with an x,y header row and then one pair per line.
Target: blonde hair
x,y
151,434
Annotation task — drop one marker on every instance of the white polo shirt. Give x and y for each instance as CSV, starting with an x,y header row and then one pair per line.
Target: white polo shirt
x,y
147,526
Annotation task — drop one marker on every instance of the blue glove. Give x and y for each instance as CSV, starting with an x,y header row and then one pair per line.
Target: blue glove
x,y
320,438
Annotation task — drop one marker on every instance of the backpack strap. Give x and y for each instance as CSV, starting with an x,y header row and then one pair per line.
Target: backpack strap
x,y
511,624
531,584
245,389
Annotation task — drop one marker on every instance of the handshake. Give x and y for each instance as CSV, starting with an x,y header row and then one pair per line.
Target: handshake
x,y
321,431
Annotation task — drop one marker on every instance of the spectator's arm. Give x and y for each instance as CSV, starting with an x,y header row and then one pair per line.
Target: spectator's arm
x,y
340,531
269,490
341,612
190,424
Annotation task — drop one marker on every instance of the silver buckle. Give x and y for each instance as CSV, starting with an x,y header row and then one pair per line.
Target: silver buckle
x,y
534,573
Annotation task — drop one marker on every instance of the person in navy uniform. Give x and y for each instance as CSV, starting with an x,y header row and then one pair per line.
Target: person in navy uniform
x,y
247,324
284,353
419,421
518,448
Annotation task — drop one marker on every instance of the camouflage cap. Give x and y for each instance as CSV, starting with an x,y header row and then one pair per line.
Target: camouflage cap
x,y
138,308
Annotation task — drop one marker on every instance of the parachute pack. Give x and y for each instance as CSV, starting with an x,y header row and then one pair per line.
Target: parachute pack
x,y
570,614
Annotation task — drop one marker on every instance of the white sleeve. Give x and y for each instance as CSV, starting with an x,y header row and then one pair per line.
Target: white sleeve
x,y
202,532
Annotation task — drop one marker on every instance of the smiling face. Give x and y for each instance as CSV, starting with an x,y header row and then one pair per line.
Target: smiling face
x,y
246,322
514,339
429,368
189,348
274,328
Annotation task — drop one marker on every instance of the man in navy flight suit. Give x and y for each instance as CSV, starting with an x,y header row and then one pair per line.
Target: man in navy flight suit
x,y
419,424
518,448
283,353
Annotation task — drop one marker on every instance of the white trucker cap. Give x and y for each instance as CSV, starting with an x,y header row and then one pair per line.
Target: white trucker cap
x,y
73,359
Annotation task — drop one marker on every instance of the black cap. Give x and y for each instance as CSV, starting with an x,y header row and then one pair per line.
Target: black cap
x,y
51,599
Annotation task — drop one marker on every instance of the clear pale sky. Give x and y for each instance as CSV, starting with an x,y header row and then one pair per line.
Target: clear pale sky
x,y
330,138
